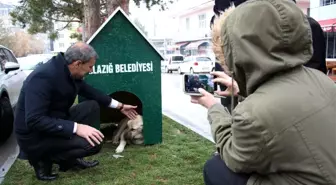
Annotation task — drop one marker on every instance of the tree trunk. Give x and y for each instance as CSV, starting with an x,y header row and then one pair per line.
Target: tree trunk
x,y
91,17
114,4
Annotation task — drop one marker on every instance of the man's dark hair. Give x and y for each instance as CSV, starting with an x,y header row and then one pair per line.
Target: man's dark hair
x,y
80,51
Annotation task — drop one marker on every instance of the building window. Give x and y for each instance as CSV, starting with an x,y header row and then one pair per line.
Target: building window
x,y
61,45
202,21
187,23
327,2
61,36
330,38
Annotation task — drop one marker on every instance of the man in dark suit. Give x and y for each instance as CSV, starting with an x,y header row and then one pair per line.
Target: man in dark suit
x,y
48,128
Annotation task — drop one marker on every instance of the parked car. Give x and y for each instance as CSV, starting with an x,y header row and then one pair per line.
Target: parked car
x,y
29,63
196,64
173,62
11,81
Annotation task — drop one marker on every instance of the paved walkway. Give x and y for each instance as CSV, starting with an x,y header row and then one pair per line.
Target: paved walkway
x,y
8,153
177,106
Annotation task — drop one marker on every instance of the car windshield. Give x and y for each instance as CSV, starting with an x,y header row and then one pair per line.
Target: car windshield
x,y
31,62
203,59
177,58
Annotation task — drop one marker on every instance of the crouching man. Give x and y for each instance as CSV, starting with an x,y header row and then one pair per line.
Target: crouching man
x,y
48,128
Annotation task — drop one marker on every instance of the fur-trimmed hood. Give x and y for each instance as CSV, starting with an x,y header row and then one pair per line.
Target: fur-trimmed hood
x,y
260,38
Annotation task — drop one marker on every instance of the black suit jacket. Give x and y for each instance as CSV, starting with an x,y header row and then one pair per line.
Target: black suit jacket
x,y
45,99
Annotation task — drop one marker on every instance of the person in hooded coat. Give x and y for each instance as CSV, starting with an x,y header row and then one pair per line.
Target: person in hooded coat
x,y
220,6
284,131
318,60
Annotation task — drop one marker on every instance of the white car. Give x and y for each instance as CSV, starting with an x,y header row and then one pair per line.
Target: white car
x,y
29,63
11,81
172,62
196,64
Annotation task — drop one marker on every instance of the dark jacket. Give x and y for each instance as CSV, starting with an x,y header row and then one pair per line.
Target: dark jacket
x,y
318,61
44,102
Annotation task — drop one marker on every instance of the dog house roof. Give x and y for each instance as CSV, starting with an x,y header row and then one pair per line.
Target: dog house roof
x,y
119,9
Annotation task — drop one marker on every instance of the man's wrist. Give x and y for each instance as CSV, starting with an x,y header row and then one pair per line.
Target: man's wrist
x,y
114,104
120,106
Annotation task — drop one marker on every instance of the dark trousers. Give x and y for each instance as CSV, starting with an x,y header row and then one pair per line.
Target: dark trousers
x,y
216,172
64,151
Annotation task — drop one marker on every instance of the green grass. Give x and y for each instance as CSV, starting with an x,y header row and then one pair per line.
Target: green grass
x,y
178,160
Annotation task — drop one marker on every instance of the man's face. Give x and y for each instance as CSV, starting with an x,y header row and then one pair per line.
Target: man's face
x,y
82,69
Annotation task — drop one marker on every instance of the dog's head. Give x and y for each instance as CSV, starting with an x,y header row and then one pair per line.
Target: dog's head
x,y
134,135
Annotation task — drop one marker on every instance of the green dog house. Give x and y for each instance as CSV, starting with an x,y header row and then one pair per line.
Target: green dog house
x,y
129,70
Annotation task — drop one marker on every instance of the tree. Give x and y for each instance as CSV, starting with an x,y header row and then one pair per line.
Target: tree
x,y
39,15
20,43
140,26
92,17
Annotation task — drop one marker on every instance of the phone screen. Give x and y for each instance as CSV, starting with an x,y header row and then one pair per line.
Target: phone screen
x,y
194,81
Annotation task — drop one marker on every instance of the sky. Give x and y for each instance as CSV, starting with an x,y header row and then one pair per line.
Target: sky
x,y
165,25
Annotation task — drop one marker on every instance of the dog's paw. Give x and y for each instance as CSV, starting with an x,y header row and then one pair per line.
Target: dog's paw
x,y
115,142
119,149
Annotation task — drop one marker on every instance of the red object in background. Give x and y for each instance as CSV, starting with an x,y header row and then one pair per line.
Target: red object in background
x,y
328,24
195,63
80,29
333,78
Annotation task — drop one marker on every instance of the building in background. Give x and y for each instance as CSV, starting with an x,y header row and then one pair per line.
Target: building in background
x,y
64,41
163,45
193,36
5,9
324,11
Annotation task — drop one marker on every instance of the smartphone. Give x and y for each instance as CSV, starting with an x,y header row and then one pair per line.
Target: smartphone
x,y
191,83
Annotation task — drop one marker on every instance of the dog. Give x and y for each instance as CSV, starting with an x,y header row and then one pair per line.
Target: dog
x,y
128,132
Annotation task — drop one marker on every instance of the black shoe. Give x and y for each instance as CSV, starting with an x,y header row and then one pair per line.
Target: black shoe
x,y
85,164
77,164
43,171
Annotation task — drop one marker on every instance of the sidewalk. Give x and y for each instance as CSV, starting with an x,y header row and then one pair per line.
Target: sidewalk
x,y
177,106
9,152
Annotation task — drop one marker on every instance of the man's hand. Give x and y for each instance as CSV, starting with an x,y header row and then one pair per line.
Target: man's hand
x,y
207,99
129,111
89,133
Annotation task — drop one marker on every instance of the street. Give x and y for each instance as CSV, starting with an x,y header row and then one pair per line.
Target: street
x,y
177,105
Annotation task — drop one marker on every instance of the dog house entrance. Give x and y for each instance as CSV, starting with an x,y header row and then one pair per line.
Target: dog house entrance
x,y
108,115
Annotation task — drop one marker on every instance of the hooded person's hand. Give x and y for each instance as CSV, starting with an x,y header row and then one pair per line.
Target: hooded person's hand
x,y
225,80
207,100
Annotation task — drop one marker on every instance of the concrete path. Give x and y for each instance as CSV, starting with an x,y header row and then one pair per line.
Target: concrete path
x,y
8,153
177,106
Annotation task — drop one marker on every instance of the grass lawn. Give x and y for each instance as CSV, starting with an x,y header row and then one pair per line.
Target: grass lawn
x,y
178,160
